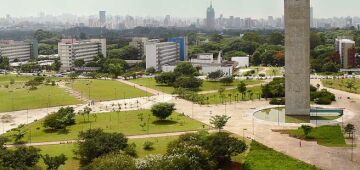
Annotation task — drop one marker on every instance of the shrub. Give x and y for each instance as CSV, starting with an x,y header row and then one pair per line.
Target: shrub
x,y
167,78
60,119
277,101
53,163
185,82
162,110
96,143
113,161
227,80
148,145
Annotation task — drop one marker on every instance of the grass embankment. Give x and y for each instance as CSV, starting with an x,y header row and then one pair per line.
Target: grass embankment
x,y
330,136
342,84
16,96
261,157
104,90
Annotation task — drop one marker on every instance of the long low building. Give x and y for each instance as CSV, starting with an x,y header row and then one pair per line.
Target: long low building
x,y
71,50
18,51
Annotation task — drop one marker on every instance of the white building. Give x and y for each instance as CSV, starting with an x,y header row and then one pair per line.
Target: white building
x,y
140,42
346,50
241,61
161,54
18,50
204,58
71,50
207,64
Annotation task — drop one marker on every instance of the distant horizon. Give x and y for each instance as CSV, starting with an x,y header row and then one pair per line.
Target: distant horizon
x,y
178,9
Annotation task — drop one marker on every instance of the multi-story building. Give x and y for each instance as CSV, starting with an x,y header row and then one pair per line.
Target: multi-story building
x,y
140,42
18,50
102,18
346,49
161,54
183,45
210,18
71,50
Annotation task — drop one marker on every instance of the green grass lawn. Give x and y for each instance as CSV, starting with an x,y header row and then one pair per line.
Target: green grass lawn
x,y
214,98
16,97
330,136
160,145
341,84
17,78
274,70
151,83
103,90
207,85
125,122
261,157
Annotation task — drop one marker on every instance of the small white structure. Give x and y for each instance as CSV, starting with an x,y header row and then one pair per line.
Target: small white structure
x,y
241,61
204,58
227,70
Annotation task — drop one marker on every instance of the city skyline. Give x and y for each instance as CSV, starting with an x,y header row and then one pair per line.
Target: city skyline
x,y
157,8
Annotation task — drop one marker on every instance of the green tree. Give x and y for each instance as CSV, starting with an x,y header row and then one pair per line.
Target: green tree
x,y
216,38
96,143
350,84
215,75
20,157
242,89
307,130
349,129
79,63
53,163
56,65
4,63
116,69
167,78
185,69
222,147
113,161
227,80
276,38
219,122
186,82
61,119
253,37
162,110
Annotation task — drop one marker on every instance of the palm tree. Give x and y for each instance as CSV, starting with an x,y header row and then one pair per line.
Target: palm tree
x,y
349,129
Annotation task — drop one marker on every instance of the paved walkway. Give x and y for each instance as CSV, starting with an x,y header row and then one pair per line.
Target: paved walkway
x,y
129,137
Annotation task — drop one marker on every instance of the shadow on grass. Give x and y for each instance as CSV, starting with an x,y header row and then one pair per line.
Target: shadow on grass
x,y
164,122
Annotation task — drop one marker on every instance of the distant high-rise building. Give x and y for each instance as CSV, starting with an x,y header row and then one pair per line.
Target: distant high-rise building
x,y
102,18
183,46
346,49
248,23
210,18
167,20
349,22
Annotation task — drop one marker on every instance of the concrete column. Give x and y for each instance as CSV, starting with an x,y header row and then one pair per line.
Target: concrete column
x,y
297,57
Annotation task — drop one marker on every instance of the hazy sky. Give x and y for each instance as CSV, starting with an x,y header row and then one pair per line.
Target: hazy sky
x,y
179,8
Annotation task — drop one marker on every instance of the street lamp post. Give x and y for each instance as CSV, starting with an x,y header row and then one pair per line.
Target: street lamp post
x,y
244,134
